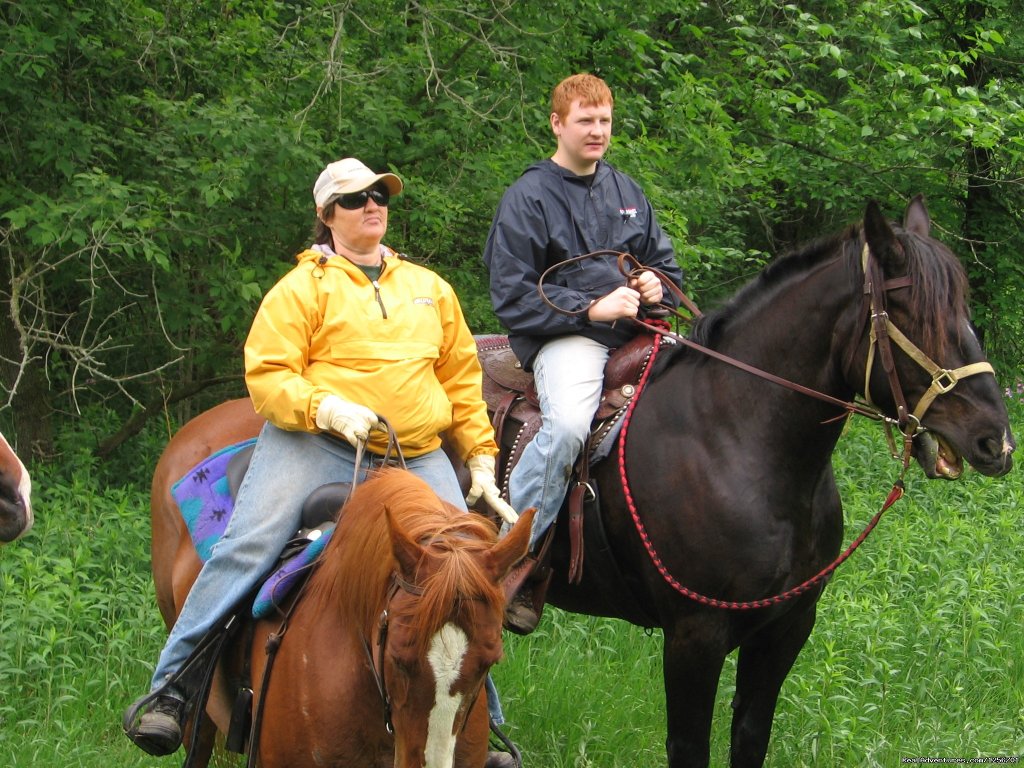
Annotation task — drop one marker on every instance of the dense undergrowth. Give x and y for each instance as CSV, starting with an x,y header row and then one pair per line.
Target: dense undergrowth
x,y
917,651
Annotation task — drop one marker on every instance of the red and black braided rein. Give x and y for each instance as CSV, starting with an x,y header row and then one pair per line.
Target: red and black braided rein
x,y
894,495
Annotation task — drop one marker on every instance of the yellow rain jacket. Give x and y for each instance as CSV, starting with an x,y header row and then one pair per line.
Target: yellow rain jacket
x,y
399,345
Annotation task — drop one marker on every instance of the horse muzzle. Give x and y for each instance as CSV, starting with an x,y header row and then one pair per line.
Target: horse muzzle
x,y
940,459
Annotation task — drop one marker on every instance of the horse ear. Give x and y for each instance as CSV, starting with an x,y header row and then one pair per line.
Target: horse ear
x,y
916,218
882,241
512,548
406,551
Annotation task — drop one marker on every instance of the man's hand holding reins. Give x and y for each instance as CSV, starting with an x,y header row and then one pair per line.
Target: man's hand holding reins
x,y
649,287
625,301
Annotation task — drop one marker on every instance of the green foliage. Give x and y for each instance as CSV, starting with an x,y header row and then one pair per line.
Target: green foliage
x,y
170,186
79,624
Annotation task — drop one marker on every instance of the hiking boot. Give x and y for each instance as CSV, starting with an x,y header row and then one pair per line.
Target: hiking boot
x,y
500,760
520,615
159,730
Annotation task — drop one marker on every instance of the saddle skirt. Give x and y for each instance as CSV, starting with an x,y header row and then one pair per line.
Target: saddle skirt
x,y
206,499
511,397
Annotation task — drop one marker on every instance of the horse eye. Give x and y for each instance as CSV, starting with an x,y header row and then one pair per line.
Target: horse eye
x,y
404,664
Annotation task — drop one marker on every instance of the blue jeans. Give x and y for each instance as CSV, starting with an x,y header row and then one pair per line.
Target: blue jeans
x,y
569,373
285,468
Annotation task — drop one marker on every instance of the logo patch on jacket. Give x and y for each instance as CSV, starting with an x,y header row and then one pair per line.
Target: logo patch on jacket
x,y
627,213
425,300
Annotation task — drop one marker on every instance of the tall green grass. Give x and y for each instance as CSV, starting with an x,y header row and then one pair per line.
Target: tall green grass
x,y
78,625
918,649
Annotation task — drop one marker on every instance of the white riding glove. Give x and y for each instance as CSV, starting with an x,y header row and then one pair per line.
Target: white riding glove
x,y
350,420
481,473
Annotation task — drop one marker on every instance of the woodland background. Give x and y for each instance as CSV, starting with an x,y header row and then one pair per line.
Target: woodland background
x,y
157,161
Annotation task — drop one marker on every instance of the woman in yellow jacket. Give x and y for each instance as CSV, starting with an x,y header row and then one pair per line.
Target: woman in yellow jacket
x,y
352,332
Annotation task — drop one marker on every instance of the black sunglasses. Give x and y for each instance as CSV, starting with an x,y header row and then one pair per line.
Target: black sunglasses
x,y
356,200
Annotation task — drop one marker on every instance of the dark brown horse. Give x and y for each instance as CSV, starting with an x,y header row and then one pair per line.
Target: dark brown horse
x,y
15,495
400,558
724,485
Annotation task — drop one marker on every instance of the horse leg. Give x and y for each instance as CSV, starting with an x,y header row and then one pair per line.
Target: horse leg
x,y
692,662
764,661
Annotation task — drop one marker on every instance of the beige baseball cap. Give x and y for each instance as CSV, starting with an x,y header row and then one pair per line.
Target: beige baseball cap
x,y
350,175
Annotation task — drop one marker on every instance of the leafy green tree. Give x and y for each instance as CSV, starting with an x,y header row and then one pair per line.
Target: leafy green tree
x,y
157,157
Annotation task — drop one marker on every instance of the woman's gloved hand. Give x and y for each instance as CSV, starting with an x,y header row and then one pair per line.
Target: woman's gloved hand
x,y
350,420
481,473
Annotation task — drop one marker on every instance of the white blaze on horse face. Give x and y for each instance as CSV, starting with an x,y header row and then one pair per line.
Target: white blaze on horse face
x,y
25,489
447,649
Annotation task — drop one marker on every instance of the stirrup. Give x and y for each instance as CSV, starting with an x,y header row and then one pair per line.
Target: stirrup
x,y
521,616
168,689
192,682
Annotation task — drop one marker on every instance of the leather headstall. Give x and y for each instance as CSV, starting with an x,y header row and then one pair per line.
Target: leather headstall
x,y
883,333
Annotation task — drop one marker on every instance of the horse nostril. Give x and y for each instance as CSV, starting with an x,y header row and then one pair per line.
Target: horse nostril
x,y
990,446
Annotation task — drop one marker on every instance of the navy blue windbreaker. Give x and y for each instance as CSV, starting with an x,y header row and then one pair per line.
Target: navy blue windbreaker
x,y
549,215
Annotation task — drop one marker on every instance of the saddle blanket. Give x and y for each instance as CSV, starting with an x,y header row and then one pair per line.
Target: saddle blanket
x,y
206,504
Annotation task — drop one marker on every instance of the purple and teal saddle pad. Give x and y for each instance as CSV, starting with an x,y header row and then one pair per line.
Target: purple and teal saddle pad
x,y
204,498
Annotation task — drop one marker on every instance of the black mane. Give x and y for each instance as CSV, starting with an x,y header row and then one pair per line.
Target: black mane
x,y
708,329
939,286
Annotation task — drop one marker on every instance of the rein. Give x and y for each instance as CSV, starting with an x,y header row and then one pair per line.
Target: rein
x,y
662,330
894,495
881,333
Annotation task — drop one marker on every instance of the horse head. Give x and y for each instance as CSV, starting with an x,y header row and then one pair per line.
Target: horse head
x,y
444,632
942,390
15,495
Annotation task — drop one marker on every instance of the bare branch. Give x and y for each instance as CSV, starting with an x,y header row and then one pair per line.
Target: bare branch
x,y
85,338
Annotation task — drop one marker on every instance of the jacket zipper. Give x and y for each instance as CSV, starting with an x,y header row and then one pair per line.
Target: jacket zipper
x,y
380,302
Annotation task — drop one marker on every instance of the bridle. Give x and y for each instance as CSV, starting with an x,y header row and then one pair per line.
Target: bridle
x,y
882,334
377,665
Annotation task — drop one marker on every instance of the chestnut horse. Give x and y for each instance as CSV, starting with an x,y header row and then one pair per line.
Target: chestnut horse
x,y
386,652
15,495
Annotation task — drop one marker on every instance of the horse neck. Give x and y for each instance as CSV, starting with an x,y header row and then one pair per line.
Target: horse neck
x,y
798,330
